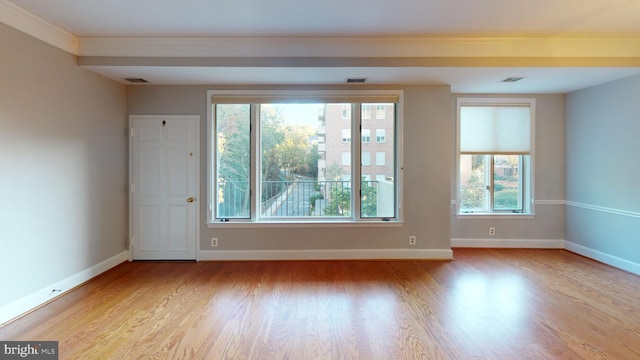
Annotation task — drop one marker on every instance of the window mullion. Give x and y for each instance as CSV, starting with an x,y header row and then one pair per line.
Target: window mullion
x,y
489,160
256,162
521,192
356,156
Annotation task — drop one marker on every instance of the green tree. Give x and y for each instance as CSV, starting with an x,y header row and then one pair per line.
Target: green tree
x,y
339,202
334,172
233,162
369,199
310,166
292,149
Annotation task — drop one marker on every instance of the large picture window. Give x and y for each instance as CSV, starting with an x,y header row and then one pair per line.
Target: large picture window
x,y
290,158
495,148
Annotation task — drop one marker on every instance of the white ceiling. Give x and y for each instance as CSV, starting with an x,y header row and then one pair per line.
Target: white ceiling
x,y
110,33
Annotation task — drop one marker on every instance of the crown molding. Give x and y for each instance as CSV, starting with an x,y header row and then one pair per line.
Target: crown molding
x,y
327,47
22,20
364,47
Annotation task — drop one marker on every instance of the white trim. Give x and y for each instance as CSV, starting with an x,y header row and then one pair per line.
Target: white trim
x,y
22,20
537,202
605,258
632,214
529,182
255,159
44,295
550,202
329,254
304,224
509,243
494,216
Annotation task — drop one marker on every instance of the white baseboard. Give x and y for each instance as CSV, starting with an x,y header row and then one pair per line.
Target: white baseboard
x,y
332,254
45,294
509,243
604,257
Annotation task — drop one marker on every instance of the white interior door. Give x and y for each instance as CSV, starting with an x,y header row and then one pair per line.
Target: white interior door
x,y
164,187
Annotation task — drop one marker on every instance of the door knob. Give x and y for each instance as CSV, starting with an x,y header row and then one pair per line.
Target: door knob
x,y
191,199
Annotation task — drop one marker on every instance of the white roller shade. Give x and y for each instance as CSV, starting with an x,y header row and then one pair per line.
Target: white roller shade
x,y
491,129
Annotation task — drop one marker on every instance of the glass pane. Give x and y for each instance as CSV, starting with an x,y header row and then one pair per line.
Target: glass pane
x,y
379,196
507,192
233,162
472,183
305,156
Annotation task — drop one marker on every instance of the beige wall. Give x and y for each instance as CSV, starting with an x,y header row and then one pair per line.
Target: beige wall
x,y
63,166
427,136
548,222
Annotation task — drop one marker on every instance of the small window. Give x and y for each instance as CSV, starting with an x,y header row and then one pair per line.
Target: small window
x,y
346,158
366,136
366,158
380,158
380,135
495,138
346,135
346,112
381,111
366,111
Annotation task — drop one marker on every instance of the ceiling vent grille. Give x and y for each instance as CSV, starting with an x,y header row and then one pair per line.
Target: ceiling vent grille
x,y
512,79
136,80
354,80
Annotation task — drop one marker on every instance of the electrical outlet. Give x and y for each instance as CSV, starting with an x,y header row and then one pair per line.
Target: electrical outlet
x,y
214,242
492,231
412,240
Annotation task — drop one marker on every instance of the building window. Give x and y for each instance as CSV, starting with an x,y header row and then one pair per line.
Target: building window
x,y
380,158
495,147
380,135
380,177
381,111
290,160
346,112
346,135
366,111
366,158
366,136
346,158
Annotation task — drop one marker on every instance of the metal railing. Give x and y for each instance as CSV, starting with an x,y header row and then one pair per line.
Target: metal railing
x,y
295,198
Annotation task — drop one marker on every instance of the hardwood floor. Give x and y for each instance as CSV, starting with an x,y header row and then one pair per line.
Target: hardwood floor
x,y
487,304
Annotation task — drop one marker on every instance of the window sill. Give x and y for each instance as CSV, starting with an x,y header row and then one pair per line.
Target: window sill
x,y
304,224
478,216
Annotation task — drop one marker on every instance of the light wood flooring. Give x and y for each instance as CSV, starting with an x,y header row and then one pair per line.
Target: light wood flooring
x,y
487,304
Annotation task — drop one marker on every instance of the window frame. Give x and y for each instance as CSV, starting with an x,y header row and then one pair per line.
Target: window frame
x,y
356,218
527,166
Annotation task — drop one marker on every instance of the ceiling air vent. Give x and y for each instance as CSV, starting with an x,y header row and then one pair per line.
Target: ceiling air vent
x,y
359,80
136,80
512,79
